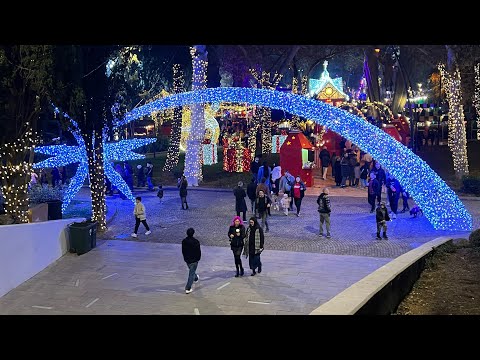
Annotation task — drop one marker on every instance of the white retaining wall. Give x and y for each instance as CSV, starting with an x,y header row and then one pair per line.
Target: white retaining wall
x,y
27,249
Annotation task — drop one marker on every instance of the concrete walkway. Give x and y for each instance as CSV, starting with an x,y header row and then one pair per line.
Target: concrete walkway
x,y
123,277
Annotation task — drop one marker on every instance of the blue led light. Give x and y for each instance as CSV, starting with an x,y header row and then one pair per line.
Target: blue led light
x,y
439,203
63,155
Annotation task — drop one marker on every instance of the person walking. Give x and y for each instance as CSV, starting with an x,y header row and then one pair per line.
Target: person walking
x,y
262,204
382,218
236,236
240,203
191,254
252,192
182,186
140,216
149,175
324,209
140,176
325,160
374,191
297,193
254,242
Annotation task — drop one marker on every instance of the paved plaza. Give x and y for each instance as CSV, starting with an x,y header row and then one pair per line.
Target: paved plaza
x,y
147,275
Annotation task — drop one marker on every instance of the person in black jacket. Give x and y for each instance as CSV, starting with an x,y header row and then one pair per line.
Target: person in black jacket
x,y
382,218
324,209
240,204
254,243
252,192
262,205
182,185
191,254
236,235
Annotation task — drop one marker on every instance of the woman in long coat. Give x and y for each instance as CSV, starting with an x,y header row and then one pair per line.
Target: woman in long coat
x,y
236,236
254,241
240,203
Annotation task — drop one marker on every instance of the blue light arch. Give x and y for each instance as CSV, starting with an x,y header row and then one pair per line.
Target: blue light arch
x,y
439,203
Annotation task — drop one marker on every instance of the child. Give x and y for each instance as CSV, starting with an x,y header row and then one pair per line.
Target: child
x,y
382,218
285,204
140,216
160,193
276,205
364,172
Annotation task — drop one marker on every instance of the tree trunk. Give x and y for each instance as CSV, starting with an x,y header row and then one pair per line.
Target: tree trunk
x,y
96,174
193,168
370,68
174,147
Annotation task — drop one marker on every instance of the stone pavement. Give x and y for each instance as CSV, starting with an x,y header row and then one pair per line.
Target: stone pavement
x,y
123,277
147,275
210,213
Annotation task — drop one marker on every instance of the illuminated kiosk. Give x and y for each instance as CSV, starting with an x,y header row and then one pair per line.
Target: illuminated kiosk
x,y
330,91
439,203
294,156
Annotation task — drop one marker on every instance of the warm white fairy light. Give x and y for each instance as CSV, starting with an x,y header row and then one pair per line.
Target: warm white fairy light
x,y
263,115
193,156
457,136
476,98
174,147
15,173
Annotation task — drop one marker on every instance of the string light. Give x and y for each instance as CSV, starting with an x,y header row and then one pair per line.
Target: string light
x,y
210,154
63,155
440,204
277,142
193,156
14,175
263,115
174,146
212,130
476,98
457,136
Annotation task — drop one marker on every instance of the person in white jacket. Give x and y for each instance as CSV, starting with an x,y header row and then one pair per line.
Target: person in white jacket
x,y
140,216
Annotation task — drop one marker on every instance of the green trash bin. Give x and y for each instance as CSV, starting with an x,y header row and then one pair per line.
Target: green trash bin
x,y
83,236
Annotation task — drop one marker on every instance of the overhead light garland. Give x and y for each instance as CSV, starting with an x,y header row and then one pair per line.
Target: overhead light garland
x,y
476,98
440,204
457,137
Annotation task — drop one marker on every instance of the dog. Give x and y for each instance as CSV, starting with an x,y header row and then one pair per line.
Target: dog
x,y
416,211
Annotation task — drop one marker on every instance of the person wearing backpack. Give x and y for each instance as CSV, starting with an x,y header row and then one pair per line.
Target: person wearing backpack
x,y
324,209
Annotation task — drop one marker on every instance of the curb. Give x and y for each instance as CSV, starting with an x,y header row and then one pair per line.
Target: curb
x,y
352,299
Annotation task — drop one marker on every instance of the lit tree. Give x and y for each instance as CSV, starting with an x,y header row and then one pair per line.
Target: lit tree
x,y
83,71
476,100
193,156
457,136
174,147
26,83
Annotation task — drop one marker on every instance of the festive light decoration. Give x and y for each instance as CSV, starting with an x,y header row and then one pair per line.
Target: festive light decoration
x,y
193,156
174,147
212,130
277,142
63,155
209,152
476,98
332,88
440,204
14,172
263,115
457,136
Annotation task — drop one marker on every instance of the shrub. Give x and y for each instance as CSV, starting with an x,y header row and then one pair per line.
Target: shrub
x,y
42,193
471,184
474,238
